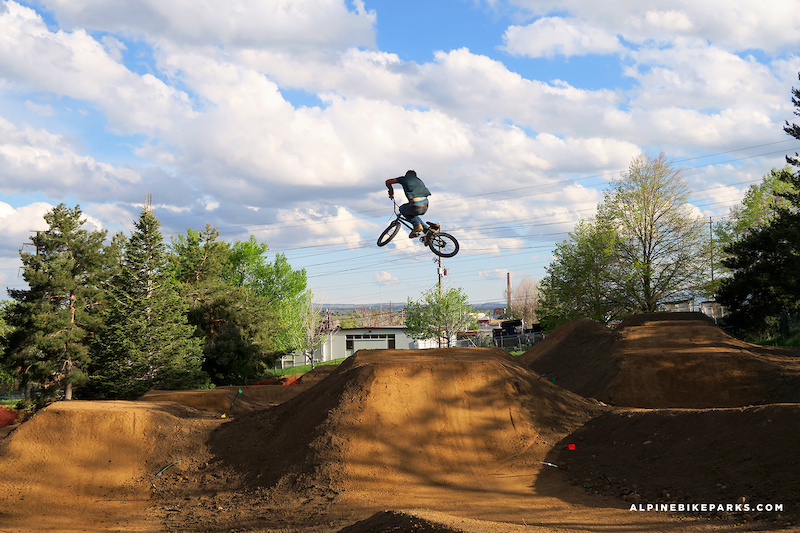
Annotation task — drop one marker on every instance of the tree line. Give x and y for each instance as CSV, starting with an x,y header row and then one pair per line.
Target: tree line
x,y
113,319
647,247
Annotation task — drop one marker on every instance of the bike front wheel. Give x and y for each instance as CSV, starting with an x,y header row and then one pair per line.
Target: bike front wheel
x,y
389,233
444,245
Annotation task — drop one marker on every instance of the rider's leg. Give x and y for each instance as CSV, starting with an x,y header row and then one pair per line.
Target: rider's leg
x,y
412,213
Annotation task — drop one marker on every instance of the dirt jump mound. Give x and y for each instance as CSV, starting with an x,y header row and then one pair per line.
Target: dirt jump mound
x,y
84,465
664,360
395,418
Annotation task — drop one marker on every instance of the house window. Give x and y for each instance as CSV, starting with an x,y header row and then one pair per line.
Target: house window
x,y
348,343
390,343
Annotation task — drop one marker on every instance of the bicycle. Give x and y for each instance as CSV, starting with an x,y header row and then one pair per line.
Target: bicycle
x,y
440,243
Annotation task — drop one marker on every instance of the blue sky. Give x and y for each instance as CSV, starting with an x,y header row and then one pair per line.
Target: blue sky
x,y
282,119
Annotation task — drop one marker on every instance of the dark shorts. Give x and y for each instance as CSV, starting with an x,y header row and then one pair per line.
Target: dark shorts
x,y
413,209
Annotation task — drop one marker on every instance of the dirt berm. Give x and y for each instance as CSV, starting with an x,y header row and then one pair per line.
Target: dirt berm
x,y
665,360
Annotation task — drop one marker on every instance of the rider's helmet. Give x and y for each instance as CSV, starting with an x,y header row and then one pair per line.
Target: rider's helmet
x,y
411,173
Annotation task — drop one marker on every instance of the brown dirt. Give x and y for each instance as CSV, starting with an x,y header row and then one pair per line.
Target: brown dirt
x,y
679,455
229,399
84,466
396,440
664,360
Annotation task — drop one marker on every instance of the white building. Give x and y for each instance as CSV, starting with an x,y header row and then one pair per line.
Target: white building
x,y
344,342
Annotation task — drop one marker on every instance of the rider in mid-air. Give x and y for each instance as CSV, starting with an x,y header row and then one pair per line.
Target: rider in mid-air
x,y
417,194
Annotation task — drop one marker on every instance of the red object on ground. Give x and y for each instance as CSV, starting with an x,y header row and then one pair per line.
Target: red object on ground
x,y
292,380
8,416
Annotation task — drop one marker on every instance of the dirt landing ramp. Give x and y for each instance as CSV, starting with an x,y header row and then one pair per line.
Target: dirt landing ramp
x,y
88,466
692,456
665,360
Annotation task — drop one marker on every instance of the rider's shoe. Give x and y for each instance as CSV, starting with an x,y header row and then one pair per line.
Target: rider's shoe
x,y
416,231
428,236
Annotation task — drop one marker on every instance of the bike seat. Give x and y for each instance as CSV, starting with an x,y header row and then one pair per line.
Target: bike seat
x,y
434,225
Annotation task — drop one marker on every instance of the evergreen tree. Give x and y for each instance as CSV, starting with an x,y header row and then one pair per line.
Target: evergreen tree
x,y
54,318
765,262
146,341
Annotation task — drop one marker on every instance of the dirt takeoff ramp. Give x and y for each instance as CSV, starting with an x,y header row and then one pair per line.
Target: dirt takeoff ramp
x,y
392,427
89,466
664,360
400,417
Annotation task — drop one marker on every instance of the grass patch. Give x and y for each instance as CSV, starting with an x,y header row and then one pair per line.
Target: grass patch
x,y
301,369
790,341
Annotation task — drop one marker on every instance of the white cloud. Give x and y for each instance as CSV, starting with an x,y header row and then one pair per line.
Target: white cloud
x,y
286,23
76,65
734,25
18,224
693,73
496,273
552,36
386,278
45,110
353,72
313,225
249,133
475,88
39,160
672,21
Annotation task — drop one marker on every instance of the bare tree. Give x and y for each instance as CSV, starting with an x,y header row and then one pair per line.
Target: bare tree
x,y
303,331
367,317
525,300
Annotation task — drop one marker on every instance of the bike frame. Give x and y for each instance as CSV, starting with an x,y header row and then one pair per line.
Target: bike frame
x,y
400,218
440,243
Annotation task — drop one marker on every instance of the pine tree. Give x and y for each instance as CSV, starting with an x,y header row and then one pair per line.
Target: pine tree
x,y
766,261
146,341
54,318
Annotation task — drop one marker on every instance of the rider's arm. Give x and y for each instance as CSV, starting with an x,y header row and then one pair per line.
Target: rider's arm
x,y
389,183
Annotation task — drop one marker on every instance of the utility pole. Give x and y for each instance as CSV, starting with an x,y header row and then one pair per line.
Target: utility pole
x,y
711,235
441,273
508,292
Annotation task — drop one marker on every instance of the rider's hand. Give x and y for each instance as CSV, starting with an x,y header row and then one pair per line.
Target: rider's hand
x,y
391,194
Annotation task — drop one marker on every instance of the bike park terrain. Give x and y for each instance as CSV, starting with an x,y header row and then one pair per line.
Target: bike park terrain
x,y
571,436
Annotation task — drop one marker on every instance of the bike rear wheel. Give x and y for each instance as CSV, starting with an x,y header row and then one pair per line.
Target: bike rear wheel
x,y
389,233
444,245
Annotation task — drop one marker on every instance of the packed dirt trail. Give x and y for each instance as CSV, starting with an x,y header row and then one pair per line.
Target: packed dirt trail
x,y
449,440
